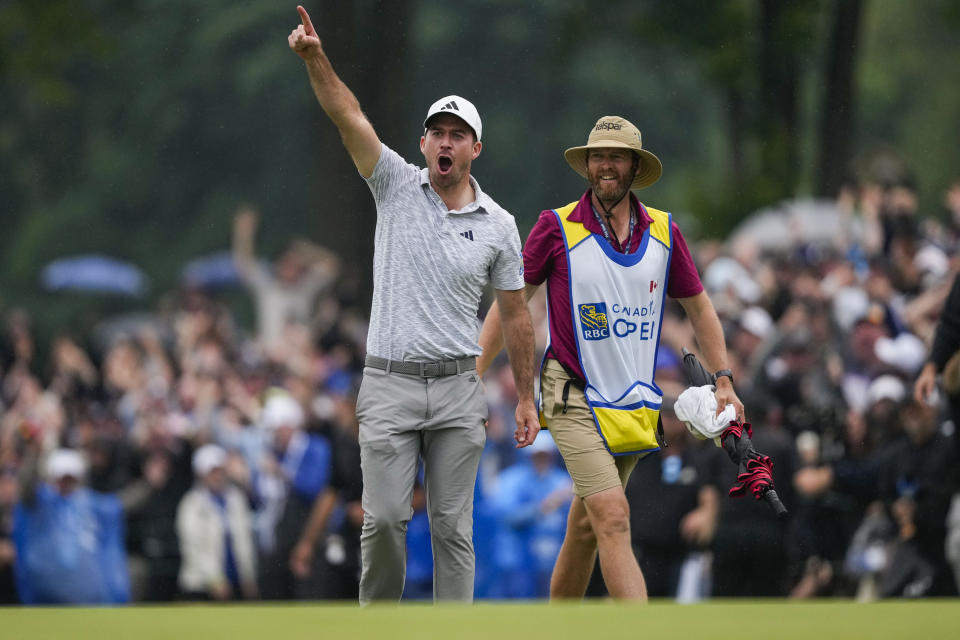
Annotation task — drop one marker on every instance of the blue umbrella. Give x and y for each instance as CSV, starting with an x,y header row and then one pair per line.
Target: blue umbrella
x,y
94,273
211,271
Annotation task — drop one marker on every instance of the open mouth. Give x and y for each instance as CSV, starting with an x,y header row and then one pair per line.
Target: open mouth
x,y
608,182
444,164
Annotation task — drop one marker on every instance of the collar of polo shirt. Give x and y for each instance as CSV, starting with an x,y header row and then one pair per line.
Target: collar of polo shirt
x,y
479,204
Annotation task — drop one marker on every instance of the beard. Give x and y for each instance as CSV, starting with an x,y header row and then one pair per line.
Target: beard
x,y
610,192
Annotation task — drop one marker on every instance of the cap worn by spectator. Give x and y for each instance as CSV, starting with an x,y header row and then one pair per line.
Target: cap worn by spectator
x,y
849,305
932,263
886,388
757,321
282,410
207,458
63,463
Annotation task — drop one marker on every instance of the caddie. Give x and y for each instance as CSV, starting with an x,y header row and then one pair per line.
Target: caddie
x,y
609,262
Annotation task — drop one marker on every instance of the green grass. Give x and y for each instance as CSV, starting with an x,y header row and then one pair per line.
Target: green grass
x,y
587,621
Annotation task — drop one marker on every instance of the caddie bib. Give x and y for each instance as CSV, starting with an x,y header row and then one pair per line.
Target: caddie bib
x,y
617,307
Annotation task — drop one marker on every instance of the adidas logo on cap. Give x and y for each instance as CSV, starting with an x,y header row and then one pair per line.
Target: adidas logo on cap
x,y
460,107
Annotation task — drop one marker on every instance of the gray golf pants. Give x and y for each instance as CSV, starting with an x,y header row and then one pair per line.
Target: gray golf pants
x,y
403,418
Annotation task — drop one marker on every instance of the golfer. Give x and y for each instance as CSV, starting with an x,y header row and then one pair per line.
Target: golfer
x,y
439,241
609,262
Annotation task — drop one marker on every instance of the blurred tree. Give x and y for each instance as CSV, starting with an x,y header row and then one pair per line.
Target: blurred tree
x,y
787,31
45,58
909,92
837,130
754,53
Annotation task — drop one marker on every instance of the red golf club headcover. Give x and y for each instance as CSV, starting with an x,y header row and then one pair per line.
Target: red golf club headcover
x,y
757,479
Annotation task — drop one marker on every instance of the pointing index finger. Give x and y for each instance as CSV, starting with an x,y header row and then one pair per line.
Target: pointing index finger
x,y
305,19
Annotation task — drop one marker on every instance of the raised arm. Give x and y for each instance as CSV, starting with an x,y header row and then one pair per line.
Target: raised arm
x,y
244,232
709,332
337,100
317,258
29,475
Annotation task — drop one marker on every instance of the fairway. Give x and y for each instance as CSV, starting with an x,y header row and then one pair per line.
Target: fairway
x,y
495,621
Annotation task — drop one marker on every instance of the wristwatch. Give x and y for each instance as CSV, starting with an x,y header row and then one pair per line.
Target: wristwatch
x,y
722,373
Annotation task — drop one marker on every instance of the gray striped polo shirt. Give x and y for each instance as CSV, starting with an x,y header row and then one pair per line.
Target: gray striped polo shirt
x,y
430,265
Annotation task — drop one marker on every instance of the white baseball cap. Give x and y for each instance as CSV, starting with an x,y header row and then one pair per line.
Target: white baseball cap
x,y
460,107
757,321
849,305
207,458
282,410
886,387
65,462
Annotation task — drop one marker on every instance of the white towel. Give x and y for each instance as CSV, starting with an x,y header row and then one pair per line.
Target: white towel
x,y
697,409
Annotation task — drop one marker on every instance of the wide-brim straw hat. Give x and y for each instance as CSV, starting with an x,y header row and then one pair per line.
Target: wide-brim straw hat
x,y
616,132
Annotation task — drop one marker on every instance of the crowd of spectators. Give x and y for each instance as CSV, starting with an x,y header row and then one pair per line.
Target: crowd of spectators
x,y
186,457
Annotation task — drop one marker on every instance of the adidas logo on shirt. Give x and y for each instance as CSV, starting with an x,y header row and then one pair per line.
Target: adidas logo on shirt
x,y
467,234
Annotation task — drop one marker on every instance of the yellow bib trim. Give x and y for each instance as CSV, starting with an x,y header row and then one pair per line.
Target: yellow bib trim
x,y
628,430
573,232
660,227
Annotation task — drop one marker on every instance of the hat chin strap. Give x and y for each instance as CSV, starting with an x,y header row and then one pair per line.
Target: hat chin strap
x,y
608,212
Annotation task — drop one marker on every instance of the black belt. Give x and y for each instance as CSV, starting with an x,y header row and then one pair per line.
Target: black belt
x,y
423,369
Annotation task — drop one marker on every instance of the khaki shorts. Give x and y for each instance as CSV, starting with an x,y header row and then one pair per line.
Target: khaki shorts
x,y
591,466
